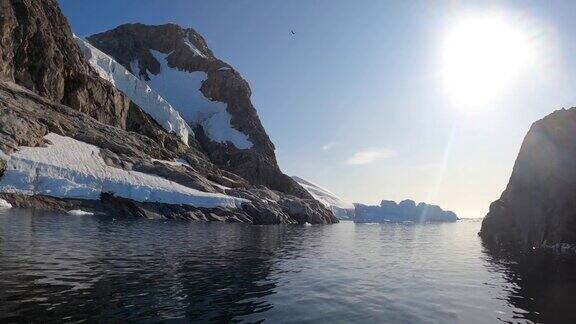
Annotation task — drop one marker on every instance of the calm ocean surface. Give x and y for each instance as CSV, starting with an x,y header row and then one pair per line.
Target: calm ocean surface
x,y
84,268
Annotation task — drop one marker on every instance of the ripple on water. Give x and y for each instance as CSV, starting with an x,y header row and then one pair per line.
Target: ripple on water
x,y
61,268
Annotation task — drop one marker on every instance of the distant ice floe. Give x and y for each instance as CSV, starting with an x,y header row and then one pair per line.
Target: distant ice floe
x,y
405,211
137,90
73,169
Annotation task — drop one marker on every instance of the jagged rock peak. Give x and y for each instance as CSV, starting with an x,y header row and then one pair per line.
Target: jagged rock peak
x,y
134,41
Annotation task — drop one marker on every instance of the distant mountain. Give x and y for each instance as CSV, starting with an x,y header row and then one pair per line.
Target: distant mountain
x,y
406,210
538,207
340,208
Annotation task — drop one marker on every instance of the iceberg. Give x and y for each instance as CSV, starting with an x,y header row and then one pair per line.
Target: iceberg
x,y
405,211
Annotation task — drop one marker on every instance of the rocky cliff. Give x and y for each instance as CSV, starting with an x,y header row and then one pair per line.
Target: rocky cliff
x,y
210,94
538,207
37,53
70,139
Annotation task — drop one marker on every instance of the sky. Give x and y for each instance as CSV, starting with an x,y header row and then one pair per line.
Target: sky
x,y
368,98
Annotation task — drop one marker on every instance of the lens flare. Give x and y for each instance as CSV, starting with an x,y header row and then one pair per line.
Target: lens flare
x,y
482,57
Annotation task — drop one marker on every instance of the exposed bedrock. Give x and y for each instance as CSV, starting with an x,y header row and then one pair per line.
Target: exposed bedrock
x,y
538,207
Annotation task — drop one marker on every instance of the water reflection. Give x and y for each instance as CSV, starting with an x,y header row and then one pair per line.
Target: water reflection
x,y
90,268
540,285
62,268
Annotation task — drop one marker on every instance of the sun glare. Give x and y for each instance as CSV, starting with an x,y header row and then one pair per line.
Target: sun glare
x,y
483,56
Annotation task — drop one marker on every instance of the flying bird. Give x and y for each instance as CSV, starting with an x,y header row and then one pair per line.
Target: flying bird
x,y
293,33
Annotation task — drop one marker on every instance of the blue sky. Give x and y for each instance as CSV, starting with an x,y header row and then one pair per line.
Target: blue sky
x,y
355,101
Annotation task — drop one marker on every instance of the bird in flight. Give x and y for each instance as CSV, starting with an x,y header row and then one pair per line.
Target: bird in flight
x,y
293,33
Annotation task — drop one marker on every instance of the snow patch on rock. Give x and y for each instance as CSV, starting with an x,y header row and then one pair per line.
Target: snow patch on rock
x,y
79,212
193,48
137,90
73,169
177,162
4,204
182,90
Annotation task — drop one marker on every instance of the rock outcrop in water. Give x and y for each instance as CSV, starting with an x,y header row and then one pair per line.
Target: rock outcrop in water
x,y
538,207
48,90
405,211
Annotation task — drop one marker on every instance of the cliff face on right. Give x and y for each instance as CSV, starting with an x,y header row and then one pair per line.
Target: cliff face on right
x,y
538,207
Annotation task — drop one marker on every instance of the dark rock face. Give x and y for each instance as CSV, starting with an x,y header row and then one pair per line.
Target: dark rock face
x,y
406,210
38,52
538,207
258,164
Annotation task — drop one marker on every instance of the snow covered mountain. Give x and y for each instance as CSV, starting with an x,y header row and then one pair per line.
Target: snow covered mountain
x,y
207,92
81,133
340,208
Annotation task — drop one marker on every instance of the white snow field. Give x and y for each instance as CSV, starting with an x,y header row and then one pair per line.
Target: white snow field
x,y
324,196
137,90
73,169
182,90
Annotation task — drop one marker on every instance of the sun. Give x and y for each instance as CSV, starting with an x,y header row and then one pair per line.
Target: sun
x,y
482,57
